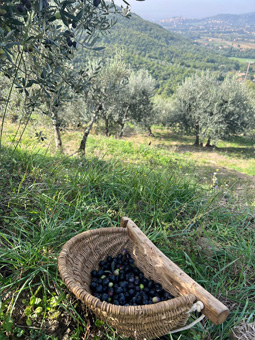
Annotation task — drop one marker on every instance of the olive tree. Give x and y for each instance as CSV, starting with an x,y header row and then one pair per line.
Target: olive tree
x,y
163,109
211,109
235,107
30,27
113,79
141,89
195,106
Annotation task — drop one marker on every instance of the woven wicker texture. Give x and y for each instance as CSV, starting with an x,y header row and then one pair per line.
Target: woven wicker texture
x,y
82,254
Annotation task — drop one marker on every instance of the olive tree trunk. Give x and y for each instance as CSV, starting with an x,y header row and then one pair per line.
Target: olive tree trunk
x,y
197,135
122,124
208,144
150,134
106,127
82,148
56,128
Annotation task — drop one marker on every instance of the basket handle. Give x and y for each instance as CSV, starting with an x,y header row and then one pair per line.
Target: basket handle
x,y
213,309
198,306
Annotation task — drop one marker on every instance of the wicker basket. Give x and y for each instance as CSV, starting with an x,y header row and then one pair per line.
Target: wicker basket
x,y
82,254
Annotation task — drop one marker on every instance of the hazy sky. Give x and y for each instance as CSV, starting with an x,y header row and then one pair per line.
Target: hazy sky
x,y
158,9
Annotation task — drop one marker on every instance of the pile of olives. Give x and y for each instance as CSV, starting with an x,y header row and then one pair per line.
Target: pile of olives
x,y
120,282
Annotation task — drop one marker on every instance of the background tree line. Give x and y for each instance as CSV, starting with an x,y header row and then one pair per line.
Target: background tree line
x,y
39,45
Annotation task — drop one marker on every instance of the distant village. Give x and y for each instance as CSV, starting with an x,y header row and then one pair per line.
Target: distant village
x,y
220,33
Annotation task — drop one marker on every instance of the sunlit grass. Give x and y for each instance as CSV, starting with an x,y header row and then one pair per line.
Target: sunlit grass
x,y
188,201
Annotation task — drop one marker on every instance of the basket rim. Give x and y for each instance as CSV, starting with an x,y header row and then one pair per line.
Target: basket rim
x,y
86,297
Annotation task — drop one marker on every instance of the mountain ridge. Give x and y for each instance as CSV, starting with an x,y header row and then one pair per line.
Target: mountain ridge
x,y
223,16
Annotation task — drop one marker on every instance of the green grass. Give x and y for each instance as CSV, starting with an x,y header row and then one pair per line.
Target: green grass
x,y
242,60
46,199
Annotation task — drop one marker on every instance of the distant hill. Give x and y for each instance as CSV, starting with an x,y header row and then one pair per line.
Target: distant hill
x,y
236,20
229,34
168,56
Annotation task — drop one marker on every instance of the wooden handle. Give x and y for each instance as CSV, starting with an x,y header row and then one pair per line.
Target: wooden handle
x,y
214,310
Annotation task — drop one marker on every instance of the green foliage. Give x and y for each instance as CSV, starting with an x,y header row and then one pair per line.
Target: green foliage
x,y
122,94
163,109
36,41
138,94
169,57
210,109
237,108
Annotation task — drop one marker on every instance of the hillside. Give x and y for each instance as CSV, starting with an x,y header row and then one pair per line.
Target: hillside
x,y
236,20
168,56
231,35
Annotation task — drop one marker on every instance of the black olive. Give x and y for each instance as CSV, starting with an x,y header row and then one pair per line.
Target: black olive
x,y
94,273
110,292
21,8
122,277
96,2
158,286
131,285
150,284
144,281
93,286
28,4
131,292
99,289
106,281
138,299
141,275
122,300
136,271
137,282
104,297
100,272
112,278
152,292
102,263
123,284
119,290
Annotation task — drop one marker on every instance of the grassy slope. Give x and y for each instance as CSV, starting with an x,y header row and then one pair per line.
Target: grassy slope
x,y
45,200
243,60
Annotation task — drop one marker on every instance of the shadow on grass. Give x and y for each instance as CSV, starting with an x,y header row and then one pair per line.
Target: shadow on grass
x,y
173,137
246,150
244,153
